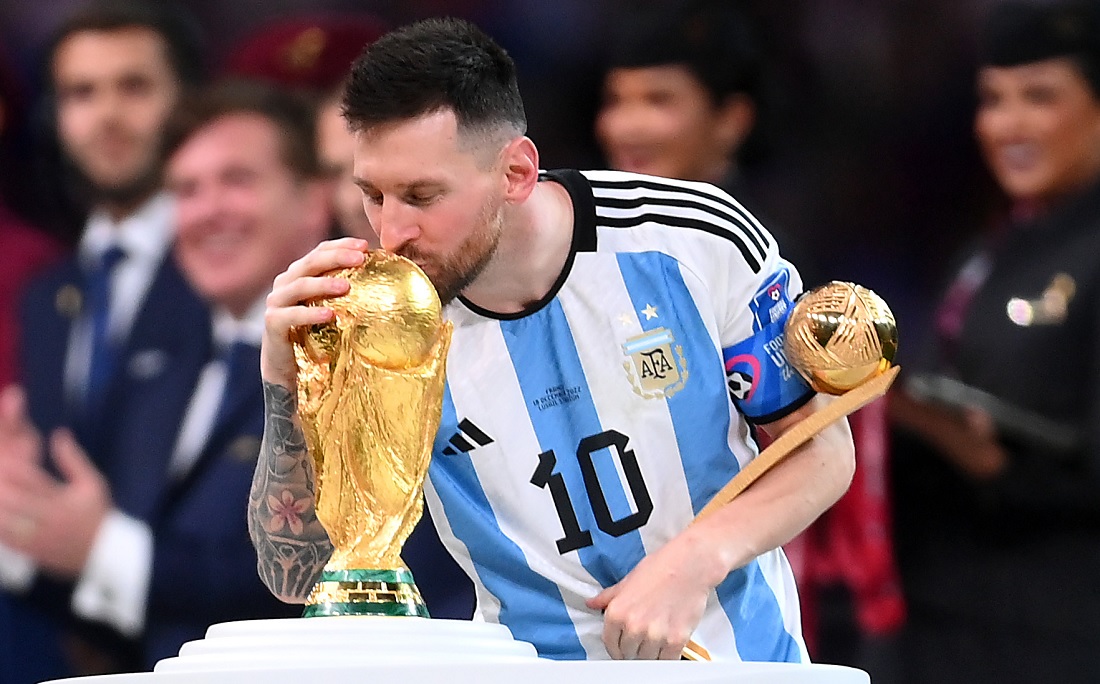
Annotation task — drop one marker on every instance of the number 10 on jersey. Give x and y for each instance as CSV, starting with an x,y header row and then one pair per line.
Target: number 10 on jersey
x,y
548,476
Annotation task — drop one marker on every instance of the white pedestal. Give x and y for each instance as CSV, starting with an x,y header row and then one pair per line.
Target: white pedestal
x,y
351,650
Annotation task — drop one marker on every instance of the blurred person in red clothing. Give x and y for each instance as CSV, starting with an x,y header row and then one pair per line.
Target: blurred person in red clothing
x,y
313,53
25,249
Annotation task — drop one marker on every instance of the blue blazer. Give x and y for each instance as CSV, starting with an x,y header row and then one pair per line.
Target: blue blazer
x,y
169,342
204,566
167,347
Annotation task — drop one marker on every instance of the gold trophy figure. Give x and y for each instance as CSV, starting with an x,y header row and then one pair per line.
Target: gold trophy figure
x,y
370,394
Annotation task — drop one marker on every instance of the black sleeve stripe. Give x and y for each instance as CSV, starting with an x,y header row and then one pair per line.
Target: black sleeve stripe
x,y
683,222
785,411
751,233
639,184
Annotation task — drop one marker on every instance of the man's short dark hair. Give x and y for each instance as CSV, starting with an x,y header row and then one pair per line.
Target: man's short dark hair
x,y
715,39
435,65
179,30
292,115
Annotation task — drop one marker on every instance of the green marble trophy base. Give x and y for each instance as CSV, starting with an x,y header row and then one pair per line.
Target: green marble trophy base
x,y
366,592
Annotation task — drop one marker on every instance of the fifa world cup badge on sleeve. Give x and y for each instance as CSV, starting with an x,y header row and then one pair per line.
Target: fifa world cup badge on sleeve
x,y
760,379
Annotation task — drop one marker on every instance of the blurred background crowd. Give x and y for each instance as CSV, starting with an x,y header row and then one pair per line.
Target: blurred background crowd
x,y
870,158
848,126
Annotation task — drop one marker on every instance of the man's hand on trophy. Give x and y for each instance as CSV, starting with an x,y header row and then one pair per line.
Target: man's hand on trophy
x,y
54,521
301,282
652,612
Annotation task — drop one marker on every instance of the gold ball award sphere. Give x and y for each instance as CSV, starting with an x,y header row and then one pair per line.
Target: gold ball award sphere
x,y
840,335
391,312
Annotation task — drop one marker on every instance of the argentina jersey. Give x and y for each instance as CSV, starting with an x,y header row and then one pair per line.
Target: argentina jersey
x,y
590,429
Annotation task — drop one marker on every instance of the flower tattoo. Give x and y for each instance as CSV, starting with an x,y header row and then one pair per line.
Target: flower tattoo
x,y
286,512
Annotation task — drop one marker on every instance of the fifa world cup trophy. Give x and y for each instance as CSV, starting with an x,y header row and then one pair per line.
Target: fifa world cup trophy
x,y
370,393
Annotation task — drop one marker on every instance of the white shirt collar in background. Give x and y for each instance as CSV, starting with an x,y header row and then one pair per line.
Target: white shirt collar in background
x,y
144,235
250,328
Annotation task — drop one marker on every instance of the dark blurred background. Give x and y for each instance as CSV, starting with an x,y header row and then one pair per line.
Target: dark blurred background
x,y
871,162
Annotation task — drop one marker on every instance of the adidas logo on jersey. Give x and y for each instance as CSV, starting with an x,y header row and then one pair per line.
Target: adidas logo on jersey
x,y
460,441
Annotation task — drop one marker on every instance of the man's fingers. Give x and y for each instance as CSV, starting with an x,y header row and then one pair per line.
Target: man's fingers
x,y
358,244
285,320
21,478
327,256
14,421
21,489
13,402
630,643
671,651
651,648
294,292
612,633
600,601
70,458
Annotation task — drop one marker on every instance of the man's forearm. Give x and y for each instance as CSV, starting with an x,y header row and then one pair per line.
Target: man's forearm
x,y
291,544
784,501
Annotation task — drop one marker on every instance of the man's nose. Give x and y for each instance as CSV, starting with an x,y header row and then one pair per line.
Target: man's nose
x,y
396,227
199,207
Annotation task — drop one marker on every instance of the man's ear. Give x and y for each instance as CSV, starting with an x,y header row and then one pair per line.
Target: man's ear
x,y
520,162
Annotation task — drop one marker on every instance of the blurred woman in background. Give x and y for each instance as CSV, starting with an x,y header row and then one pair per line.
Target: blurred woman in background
x,y
998,456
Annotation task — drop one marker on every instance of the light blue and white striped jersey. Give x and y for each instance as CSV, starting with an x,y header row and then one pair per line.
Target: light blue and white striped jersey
x,y
590,429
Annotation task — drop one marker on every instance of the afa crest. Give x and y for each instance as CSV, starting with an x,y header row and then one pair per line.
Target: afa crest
x,y
654,369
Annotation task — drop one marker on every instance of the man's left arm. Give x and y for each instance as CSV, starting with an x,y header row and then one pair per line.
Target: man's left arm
x,y
653,611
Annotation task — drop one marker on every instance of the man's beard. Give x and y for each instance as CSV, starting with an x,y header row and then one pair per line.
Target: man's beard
x,y
125,192
452,274
129,193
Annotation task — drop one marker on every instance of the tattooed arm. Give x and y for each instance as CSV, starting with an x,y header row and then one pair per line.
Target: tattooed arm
x,y
291,545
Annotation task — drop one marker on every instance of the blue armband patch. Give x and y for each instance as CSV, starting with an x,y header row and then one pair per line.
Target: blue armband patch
x,y
762,385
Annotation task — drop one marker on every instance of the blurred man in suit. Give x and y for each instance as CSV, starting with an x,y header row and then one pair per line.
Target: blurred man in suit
x,y
116,314
336,145
249,198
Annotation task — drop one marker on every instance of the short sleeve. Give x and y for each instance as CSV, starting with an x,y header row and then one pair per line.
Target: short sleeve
x,y
762,383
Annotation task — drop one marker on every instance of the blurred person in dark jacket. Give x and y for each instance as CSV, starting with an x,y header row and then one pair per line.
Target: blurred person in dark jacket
x,y
114,315
685,95
25,250
998,480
